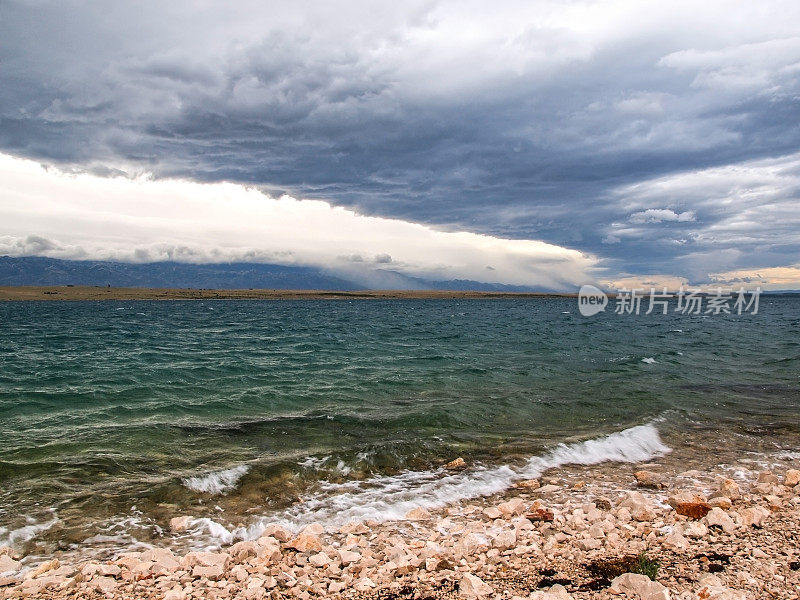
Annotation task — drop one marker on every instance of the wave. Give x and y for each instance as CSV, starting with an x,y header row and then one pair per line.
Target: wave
x,y
216,482
387,498
20,535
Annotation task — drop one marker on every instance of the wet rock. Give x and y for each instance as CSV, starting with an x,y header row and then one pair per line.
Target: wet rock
x,y
418,514
313,529
650,479
276,531
602,503
767,477
179,524
354,527
458,463
8,564
472,586
46,566
529,484
728,488
492,512
470,543
689,505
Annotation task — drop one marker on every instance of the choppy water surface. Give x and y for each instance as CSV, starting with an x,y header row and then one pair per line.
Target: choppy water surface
x,y
116,416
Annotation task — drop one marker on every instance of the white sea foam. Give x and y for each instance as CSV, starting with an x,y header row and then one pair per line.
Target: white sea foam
x,y
387,498
216,482
788,454
22,534
649,360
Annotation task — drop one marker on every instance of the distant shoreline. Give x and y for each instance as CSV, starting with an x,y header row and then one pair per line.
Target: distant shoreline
x,y
78,293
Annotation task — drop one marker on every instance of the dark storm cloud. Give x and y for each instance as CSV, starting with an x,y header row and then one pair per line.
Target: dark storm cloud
x,y
530,121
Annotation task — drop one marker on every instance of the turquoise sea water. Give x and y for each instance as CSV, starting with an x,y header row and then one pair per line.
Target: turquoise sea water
x,y
115,416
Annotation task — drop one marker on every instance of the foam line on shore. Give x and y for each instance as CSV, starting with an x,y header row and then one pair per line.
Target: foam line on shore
x,y
388,498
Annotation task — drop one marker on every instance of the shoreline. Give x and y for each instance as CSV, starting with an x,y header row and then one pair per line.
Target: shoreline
x,y
83,293
713,537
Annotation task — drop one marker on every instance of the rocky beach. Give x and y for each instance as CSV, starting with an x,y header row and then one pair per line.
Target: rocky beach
x,y
648,535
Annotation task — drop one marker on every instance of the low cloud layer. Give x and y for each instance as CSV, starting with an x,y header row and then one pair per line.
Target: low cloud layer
x,y
84,216
662,137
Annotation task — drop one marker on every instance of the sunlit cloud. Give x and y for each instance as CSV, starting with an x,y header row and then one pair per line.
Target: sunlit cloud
x,y
47,212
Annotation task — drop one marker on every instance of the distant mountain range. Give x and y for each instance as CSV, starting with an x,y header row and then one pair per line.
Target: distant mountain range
x,y
34,270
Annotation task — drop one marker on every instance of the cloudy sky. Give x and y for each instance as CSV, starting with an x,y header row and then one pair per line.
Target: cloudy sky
x,y
535,143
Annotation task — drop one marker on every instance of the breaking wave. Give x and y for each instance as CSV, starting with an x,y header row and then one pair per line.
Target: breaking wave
x,y
216,482
387,498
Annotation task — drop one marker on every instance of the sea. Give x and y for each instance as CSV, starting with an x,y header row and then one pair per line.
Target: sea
x,y
117,416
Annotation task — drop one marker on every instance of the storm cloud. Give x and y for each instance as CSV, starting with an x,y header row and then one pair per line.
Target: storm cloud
x,y
662,138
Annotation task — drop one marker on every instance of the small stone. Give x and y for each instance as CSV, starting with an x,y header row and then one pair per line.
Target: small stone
x,y
639,507
210,572
105,585
556,592
364,584
767,477
505,539
347,557
639,586
540,514
305,543
458,463
719,518
529,484
45,567
313,529
492,512
179,524
418,514
792,478
689,505
754,516
175,593
8,564
695,530
722,502
729,488
471,587
319,560
515,506
649,479
279,533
